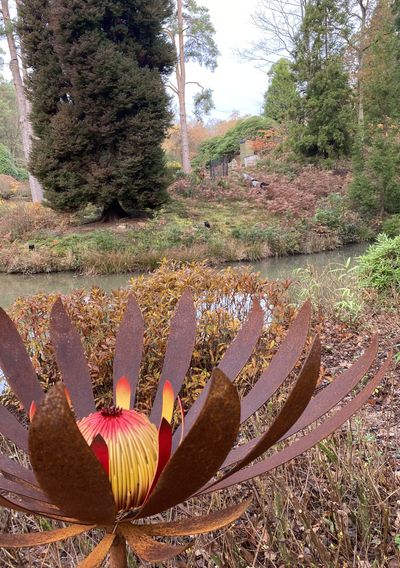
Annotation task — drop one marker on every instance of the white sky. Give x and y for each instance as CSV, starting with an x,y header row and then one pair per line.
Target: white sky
x,y
237,85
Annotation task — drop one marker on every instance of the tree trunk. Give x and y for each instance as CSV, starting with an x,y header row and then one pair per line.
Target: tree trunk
x,y
22,102
181,84
113,212
118,557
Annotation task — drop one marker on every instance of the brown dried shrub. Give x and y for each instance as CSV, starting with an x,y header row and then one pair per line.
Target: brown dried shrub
x,y
222,301
20,220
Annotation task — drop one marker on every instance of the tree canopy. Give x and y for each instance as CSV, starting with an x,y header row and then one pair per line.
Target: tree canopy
x,y
99,107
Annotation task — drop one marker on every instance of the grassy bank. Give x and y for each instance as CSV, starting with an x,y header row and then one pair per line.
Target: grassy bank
x,y
221,221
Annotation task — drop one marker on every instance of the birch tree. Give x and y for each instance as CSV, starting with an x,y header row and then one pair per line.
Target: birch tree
x,y
192,32
22,101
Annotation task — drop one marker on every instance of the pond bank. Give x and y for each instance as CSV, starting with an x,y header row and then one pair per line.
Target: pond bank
x,y
13,286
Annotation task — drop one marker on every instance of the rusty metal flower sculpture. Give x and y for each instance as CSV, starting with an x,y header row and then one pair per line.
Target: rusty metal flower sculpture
x,y
114,467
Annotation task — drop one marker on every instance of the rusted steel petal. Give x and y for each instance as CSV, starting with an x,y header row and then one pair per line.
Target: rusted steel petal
x,y
64,465
71,360
331,395
23,490
146,548
129,347
235,358
308,440
281,365
29,506
16,365
96,557
241,348
202,524
178,355
38,539
12,429
291,411
16,470
323,402
202,451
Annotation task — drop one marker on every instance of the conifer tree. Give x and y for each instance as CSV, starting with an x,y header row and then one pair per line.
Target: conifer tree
x,y
99,107
281,97
326,111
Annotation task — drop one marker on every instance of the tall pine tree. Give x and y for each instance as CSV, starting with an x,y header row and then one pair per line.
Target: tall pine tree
x,y
99,107
326,110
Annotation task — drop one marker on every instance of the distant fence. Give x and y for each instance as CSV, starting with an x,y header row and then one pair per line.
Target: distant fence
x,y
219,168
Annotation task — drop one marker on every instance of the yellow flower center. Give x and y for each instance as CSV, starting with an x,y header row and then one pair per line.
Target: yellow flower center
x,y
132,443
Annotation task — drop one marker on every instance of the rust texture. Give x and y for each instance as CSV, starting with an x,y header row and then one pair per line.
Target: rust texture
x,y
71,360
65,466
16,365
180,346
129,347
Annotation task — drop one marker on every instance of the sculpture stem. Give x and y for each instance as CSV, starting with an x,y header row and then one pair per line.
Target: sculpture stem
x,y
118,556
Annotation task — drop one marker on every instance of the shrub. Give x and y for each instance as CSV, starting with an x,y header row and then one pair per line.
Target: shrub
x,y
7,166
222,301
379,268
19,221
330,214
391,226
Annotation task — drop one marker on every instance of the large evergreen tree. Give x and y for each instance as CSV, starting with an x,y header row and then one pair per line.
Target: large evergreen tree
x,y
281,97
99,106
326,110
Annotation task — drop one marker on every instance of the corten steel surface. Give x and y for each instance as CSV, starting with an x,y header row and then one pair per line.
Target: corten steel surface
x,y
129,347
69,480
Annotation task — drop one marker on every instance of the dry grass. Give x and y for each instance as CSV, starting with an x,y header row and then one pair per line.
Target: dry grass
x,y
18,221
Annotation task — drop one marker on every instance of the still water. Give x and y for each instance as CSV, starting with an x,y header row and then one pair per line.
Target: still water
x,y
13,286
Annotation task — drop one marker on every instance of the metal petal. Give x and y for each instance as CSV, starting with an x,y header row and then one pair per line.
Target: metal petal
x,y
16,365
23,490
96,557
65,466
241,348
29,506
292,409
196,525
308,440
178,355
12,429
322,403
146,548
202,451
38,539
71,360
129,347
16,470
233,361
281,365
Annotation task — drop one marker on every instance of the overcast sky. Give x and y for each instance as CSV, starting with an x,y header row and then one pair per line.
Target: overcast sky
x,y
237,85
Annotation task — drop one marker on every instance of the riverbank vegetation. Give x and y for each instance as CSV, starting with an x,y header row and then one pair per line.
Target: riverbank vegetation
x,y
335,506
304,210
